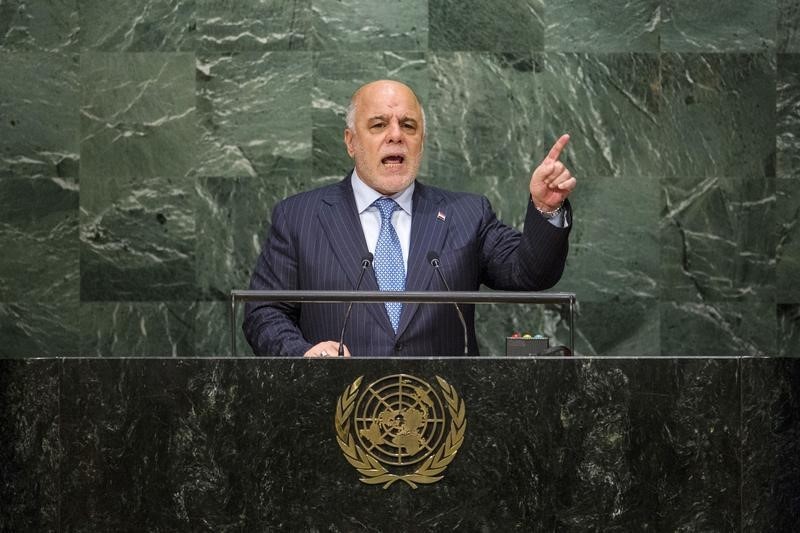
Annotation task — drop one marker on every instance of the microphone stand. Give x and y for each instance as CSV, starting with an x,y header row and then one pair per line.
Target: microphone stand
x,y
433,258
365,264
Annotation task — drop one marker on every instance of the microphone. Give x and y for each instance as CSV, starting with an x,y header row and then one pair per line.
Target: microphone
x,y
366,262
433,259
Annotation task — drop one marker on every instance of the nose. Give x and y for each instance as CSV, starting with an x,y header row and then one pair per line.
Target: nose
x,y
395,132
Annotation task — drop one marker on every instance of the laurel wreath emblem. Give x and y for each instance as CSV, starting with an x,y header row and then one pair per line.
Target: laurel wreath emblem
x,y
373,472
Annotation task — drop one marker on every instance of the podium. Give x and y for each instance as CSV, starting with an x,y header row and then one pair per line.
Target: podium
x,y
250,444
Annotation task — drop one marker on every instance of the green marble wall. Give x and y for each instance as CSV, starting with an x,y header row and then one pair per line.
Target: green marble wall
x,y
142,145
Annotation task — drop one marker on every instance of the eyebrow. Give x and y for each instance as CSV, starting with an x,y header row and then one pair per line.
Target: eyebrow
x,y
386,118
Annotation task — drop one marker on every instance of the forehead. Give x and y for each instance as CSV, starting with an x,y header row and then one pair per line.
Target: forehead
x,y
387,98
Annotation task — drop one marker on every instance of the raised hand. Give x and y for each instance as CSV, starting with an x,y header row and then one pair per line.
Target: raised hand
x,y
552,182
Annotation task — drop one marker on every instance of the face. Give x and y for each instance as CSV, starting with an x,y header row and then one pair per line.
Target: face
x,y
387,137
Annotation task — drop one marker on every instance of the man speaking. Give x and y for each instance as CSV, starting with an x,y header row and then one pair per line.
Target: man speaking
x,y
381,223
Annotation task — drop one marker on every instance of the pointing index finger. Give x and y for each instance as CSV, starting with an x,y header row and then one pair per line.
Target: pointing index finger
x,y
555,151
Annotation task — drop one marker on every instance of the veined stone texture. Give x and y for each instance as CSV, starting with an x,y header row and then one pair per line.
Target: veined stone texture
x,y
358,25
713,248
788,116
254,111
788,26
725,26
144,144
39,25
39,96
667,444
509,26
600,26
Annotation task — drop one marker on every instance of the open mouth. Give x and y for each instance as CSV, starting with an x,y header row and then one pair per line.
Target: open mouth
x,y
393,160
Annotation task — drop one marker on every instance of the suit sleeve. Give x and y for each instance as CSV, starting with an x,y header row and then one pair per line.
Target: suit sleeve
x,y
529,261
271,328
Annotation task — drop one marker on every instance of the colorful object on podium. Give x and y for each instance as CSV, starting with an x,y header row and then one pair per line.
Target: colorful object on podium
x,y
526,345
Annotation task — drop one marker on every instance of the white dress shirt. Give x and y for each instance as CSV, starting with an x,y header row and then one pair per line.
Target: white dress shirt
x,y
371,217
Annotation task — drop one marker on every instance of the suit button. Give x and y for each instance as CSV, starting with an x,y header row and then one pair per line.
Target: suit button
x,y
398,347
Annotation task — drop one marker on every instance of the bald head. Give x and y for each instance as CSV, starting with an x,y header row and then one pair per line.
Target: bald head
x,y
376,86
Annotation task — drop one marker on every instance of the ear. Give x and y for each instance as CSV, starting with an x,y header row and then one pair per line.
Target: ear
x,y
348,142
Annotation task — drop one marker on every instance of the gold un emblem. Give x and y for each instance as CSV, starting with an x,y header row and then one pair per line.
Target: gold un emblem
x,y
398,428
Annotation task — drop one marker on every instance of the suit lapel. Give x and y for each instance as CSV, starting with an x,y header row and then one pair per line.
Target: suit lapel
x,y
429,224
339,220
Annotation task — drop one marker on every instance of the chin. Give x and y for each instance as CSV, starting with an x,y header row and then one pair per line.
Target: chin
x,y
388,181
393,183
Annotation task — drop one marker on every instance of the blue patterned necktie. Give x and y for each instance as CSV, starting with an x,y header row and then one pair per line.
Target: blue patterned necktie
x,y
388,263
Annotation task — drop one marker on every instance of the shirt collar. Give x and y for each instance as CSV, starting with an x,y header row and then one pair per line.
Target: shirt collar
x,y
366,195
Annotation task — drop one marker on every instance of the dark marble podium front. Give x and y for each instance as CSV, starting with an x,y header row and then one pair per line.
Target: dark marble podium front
x,y
573,444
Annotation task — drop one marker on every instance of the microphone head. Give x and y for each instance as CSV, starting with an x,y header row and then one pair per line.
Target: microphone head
x,y
433,258
367,260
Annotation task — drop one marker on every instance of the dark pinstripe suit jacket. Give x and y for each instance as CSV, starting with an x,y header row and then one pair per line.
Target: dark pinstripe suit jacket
x,y
316,243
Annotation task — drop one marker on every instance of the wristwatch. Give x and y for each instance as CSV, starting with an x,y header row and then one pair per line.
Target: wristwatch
x,y
550,214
